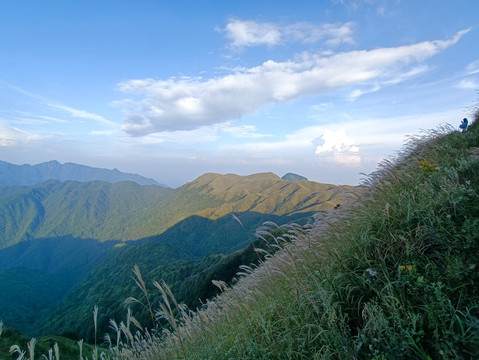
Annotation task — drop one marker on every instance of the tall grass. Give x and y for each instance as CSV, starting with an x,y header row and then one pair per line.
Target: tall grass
x,y
392,274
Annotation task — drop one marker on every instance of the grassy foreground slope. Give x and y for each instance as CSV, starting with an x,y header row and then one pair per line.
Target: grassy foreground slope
x,y
393,277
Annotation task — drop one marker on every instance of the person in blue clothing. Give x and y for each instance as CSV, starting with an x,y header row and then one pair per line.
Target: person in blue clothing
x,y
464,125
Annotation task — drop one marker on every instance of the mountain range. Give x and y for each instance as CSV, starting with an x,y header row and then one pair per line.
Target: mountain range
x,y
128,211
12,174
81,239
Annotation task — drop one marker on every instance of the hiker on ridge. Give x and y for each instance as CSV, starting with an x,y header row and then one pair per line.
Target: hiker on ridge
x,y
463,125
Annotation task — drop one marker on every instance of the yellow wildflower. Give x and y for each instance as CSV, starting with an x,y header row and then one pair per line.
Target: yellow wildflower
x,y
427,167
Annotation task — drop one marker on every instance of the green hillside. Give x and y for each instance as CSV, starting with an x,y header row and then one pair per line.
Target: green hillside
x,y
36,274
97,210
24,293
392,276
66,220
188,256
127,211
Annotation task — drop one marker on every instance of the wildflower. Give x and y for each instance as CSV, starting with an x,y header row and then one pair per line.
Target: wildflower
x,y
406,267
427,168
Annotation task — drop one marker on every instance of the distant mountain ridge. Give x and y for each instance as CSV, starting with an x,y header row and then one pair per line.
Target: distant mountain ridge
x,y
11,174
128,211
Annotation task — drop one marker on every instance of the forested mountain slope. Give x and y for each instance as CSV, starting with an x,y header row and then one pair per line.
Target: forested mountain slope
x,y
127,211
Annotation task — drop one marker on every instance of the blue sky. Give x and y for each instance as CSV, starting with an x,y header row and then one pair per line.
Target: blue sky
x,y
174,89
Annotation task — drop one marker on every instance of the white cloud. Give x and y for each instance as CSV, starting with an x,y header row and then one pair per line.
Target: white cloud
x,y
336,141
337,147
355,94
80,113
251,33
189,103
331,34
246,33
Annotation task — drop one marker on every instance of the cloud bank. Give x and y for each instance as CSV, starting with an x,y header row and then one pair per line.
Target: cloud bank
x,y
189,103
339,144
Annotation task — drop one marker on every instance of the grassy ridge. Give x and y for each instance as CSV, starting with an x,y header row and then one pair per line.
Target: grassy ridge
x,y
393,277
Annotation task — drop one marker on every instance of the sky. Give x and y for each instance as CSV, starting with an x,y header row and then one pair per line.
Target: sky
x,y
170,90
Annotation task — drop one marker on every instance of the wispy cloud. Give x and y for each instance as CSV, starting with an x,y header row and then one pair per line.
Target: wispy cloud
x,y
473,68
76,113
102,132
188,103
17,136
247,33
355,5
12,134
205,134
355,94
32,118
330,34
468,84
243,131
80,114
252,33
201,135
